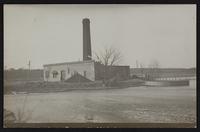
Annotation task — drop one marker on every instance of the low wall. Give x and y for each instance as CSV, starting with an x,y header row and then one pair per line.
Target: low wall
x,y
131,83
167,83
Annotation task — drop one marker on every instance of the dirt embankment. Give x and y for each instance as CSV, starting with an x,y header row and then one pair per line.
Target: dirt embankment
x,y
45,87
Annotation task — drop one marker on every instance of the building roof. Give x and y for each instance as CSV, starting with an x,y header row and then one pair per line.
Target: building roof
x,y
65,63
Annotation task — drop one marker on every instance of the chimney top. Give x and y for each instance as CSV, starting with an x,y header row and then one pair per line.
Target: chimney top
x,y
86,20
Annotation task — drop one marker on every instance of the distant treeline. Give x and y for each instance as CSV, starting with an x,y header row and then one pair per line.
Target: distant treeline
x,y
23,75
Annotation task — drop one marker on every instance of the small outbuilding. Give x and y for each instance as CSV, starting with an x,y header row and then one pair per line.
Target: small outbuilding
x,y
89,69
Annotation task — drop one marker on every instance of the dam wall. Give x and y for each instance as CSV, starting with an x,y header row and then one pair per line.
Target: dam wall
x,y
168,83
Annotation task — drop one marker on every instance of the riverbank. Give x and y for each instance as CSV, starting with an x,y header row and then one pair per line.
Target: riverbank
x,y
48,87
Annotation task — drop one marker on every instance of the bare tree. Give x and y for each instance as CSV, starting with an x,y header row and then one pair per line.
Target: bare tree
x,y
154,64
108,57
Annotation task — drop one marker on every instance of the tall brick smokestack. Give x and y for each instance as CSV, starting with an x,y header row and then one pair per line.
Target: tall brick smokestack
x,y
87,55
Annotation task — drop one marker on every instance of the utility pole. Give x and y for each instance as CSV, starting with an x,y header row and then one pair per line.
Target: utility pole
x,y
136,64
29,69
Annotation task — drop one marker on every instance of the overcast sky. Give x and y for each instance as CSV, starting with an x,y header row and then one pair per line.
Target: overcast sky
x,y
48,34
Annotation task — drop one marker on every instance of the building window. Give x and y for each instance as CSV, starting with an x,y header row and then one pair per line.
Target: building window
x,y
84,73
68,70
55,74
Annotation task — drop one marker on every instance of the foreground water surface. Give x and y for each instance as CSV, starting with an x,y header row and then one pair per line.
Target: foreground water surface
x,y
132,105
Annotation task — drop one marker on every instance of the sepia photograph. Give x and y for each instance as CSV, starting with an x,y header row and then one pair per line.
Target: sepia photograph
x,y
99,63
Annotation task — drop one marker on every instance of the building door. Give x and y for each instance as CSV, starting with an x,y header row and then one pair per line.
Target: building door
x,y
62,77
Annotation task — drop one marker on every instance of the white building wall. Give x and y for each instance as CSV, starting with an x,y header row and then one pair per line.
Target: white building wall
x,y
73,67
